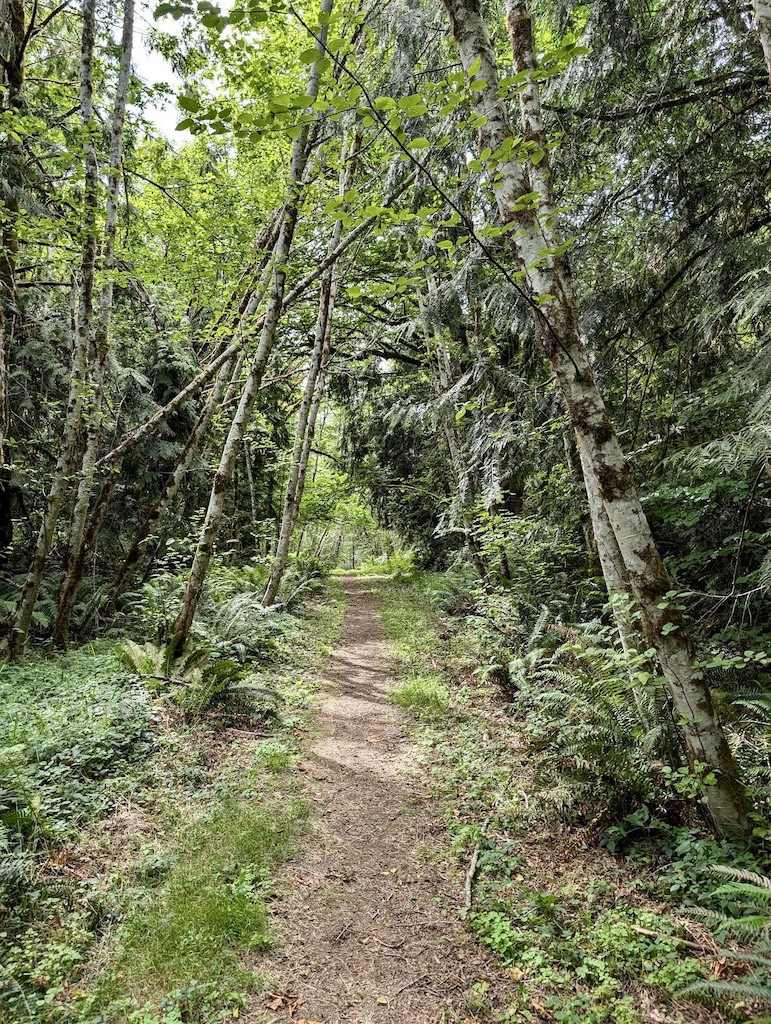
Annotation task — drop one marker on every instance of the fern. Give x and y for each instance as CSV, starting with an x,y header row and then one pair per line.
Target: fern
x,y
600,738
751,893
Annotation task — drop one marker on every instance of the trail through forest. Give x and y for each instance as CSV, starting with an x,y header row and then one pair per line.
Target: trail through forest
x,y
370,930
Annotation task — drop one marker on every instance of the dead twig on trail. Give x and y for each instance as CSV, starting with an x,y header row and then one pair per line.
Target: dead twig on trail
x,y
388,945
472,870
409,984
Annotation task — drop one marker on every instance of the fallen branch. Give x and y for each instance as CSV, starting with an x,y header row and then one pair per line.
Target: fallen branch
x,y
694,947
472,870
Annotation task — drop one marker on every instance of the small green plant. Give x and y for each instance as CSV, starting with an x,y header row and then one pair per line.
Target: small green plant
x,y
272,756
199,679
208,909
425,694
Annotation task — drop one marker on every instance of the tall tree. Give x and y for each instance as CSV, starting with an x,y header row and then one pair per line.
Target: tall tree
x,y
74,563
312,393
82,296
545,273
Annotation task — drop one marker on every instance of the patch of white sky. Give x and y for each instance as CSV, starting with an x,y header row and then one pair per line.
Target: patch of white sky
x,y
154,69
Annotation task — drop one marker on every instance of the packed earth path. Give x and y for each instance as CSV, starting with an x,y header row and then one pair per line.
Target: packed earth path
x,y
369,929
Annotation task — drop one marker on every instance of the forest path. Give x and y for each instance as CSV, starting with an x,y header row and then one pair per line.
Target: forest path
x,y
369,929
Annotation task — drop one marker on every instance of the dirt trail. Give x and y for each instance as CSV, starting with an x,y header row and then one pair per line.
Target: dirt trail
x,y
369,929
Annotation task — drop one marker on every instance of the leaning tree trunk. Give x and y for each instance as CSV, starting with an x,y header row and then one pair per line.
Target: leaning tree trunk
x,y
170,488
224,353
73,416
550,292
312,395
224,474
76,550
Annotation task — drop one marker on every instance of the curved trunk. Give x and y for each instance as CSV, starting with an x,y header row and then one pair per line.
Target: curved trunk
x,y
549,288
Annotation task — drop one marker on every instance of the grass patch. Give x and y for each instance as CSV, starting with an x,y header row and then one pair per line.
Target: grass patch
x,y
191,932
271,757
424,694
163,918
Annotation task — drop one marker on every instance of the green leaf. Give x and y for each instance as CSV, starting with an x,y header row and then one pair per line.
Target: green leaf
x,y
310,56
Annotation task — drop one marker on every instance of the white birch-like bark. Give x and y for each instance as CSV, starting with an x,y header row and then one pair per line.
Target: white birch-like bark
x,y
226,351
549,287
762,12
170,488
311,400
68,448
224,474
75,558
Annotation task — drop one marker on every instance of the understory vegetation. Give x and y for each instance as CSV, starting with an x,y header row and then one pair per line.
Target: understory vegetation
x,y
471,297
142,816
594,876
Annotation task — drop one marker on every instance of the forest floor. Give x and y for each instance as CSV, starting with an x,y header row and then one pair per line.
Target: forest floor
x,y
370,930
316,866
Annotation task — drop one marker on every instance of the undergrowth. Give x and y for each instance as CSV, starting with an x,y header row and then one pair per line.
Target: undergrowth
x,y
548,758
137,839
185,943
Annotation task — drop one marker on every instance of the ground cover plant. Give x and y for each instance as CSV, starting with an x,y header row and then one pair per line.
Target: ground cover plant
x,y
468,298
141,831
593,897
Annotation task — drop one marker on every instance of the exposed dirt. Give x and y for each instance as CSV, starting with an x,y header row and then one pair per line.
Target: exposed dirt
x,y
369,929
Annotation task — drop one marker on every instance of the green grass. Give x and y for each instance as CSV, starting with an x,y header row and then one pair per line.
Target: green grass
x,y
271,757
192,932
162,929
424,694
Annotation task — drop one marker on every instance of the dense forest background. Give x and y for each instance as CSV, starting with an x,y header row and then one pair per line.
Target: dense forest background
x,y
472,294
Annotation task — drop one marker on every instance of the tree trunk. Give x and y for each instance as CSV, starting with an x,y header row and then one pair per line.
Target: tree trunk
x,y
225,352
14,37
223,476
762,12
75,559
72,421
312,396
549,289
170,487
